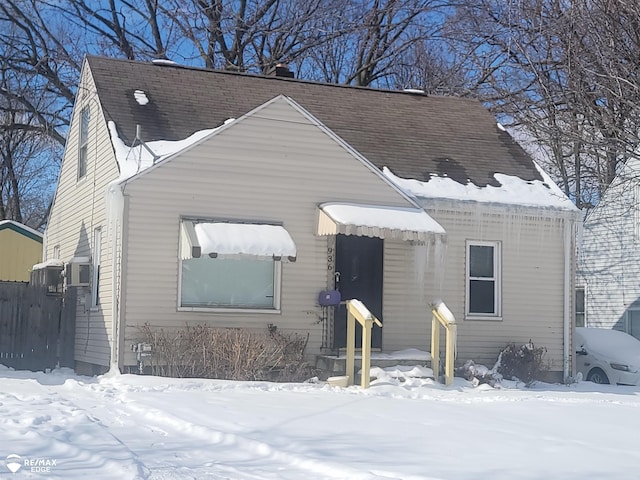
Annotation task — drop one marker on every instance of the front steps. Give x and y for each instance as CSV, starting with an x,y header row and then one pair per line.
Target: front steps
x,y
334,365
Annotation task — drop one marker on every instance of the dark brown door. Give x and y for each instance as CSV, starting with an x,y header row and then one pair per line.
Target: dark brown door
x,y
359,276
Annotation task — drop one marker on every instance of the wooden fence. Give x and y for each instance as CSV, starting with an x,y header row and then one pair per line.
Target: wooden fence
x,y
37,329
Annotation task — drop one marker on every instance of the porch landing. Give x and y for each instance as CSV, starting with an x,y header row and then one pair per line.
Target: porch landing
x,y
336,364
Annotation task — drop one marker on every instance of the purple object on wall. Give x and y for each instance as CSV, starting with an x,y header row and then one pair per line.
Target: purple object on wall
x,y
328,298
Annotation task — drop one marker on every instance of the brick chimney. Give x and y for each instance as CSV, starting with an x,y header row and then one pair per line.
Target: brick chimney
x,y
281,70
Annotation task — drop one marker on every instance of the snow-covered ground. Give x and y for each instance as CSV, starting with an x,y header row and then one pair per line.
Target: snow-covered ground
x,y
127,426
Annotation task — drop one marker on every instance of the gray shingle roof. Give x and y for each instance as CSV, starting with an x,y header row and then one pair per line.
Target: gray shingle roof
x,y
414,135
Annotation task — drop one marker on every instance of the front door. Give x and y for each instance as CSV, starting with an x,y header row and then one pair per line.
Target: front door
x,y
359,276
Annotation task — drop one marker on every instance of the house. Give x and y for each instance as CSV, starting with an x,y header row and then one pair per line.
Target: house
x,y
197,196
20,249
608,286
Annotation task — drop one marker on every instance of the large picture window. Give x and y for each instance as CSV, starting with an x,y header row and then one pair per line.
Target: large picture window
x,y
483,280
232,265
242,282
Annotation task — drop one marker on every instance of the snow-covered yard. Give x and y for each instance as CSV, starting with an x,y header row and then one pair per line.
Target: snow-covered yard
x,y
127,426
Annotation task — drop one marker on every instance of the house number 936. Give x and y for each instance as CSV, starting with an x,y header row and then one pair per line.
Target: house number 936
x,y
330,258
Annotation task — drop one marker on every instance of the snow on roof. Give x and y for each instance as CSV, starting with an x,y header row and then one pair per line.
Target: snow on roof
x,y
141,97
54,262
444,311
133,160
20,226
405,219
362,310
512,190
163,61
245,238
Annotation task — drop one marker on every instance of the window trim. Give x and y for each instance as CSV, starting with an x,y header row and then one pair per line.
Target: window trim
x,y
95,268
497,279
277,288
636,212
584,303
627,320
83,142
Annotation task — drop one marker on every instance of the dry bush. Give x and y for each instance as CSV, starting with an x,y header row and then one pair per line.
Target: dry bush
x,y
524,363
227,353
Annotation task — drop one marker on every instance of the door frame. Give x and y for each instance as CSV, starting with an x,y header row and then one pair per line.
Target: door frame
x,y
340,315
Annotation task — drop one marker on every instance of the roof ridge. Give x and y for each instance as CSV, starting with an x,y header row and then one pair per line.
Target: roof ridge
x,y
408,92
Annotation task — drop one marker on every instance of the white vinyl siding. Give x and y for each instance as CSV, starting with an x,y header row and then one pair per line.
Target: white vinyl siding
x,y
78,209
482,285
609,257
289,167
531,244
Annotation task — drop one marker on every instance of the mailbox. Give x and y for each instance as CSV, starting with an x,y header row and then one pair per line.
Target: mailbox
x,y
329,298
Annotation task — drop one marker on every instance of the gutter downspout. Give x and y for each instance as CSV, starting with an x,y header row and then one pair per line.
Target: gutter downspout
x,y
115,202
569,254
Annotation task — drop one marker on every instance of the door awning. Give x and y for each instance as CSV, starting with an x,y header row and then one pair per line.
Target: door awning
x,y
403,223
224,239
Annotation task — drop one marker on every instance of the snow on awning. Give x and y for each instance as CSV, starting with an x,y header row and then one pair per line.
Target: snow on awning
x,y
222,238
403,223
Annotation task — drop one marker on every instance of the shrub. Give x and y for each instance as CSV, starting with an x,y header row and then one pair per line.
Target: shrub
x,y
524,363
227,353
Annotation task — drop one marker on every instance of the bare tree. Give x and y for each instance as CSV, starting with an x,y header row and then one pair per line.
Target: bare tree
x,y
372,39
567,73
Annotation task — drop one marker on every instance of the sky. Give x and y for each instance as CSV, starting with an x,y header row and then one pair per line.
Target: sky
x,y
145,427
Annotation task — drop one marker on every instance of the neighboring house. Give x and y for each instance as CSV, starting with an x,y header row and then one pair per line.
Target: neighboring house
x,y
243,197
20,249
608,288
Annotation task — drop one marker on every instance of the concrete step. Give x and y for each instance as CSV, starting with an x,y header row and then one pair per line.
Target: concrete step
x,y
336,365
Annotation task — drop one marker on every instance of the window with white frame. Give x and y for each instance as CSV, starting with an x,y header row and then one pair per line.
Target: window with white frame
x,y
483,286
83,143
95,278
580,310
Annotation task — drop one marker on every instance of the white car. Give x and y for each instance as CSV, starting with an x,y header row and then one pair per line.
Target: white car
x,y
607,356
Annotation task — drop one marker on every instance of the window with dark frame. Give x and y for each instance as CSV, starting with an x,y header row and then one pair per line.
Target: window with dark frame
x,y
580,304
97,253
